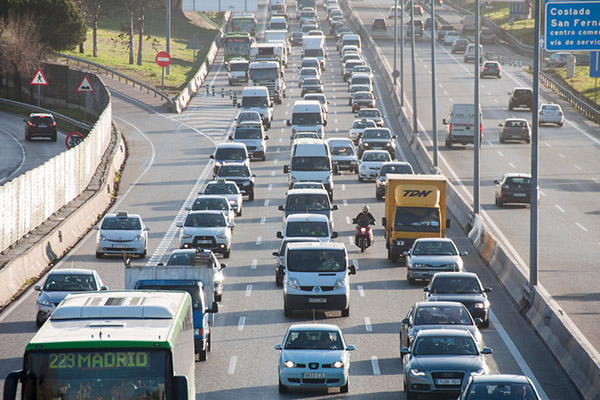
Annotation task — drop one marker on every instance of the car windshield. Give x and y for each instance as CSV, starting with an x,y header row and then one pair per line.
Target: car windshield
x,y
310,64
379,156
238,67
312,82
359,88
430,248
221,188
210,204
364,124
369,114
234,170
308,118
307,229
342,150
308,72
205,220
316,260
313,340
42,119
248,133
307,202
417,219
70,283
362,95
549,107
495,390
462,285
377,134
317,97
121,224
230,153
248,116
181,259
310,164
396,169
362,80
445,345
444,315
260,101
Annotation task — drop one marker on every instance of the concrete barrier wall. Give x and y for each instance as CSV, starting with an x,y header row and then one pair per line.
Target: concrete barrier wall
x,y
576,355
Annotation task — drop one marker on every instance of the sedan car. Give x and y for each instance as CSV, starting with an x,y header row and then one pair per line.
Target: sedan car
x,y
239,173
296,38
321,98
363,69
440,361
390,167
557,60
358,126
377,139
491,68
460,45
372,114
280,256
59,283
311,85
228,189
371,162
427,256
463,287
364,99
379,24
513,188
437,315
343,155
213,202
206,229
487,36
40,125
248,116
450,37
515,129
357,88
551,114
314,355
500,386
122,232
310,62
520,97
308,72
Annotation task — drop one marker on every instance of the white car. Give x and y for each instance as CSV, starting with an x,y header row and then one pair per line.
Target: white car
x,y
370,163
121,232
308,72
551,114
314,355
228,189
359,126
428,256
213,202
450,37
394,10
208,229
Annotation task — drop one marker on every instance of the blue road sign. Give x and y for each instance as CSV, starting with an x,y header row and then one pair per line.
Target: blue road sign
x,y
595,64
572,26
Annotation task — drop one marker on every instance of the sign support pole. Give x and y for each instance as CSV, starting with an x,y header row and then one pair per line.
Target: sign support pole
x,y
414,72
168,36
477,119
162,81
433,88
402,54
533,193
38,95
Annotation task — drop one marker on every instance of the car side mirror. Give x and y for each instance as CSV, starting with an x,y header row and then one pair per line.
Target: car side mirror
x,y
500,125
334,235
212,156
426,289
286,169
478,322
444,121
406,253
266,137
188,208
334,207
405,321
275,254
289,123
281,208
279,235
230,138
497,182
254,175
147,228
463,253
394,136
37,288
277,347
231,224
487,290
24,120
180,224
223,265
486,350
96,227
352,270
103,287
215,308
404,351
351,347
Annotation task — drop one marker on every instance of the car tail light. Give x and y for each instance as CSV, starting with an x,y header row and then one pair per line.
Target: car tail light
x,y
450,130
480,129
54,123
505,129
30,123
560,113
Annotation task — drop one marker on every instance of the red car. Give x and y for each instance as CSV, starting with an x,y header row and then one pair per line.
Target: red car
x,y
419,10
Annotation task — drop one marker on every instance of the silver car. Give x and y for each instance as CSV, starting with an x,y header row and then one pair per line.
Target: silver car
x,y
213,202
228,189
121,232
208,229
441,361
551,114
430,255
59,284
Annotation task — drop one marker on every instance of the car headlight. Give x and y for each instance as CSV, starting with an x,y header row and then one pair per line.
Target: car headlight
x,y
289,364
247,183
102,237
196,331
186,236
338,364
399,242
479,306
454,266
362,166
294,284
366,145
341,282
388,144
44,302
478,372
418,265
417,372
222,236
138,238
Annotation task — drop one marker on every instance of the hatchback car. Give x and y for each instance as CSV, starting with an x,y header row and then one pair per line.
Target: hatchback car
x,y
520,97
470,53
377,139
239,173
363,99
310,62
513,188
229,152
437,315
40,125
500,386
321,98
460,45
372,114
358,126
311,85
440,361
228,189
308,72
550,114
491,68
314,355
343,155
213,202
557,60
362,69
357,88
515,129
252,135
390,167
371,162
418,10
463,287
487,36
59,283
122,232
248,116
207,229
428,256
379,24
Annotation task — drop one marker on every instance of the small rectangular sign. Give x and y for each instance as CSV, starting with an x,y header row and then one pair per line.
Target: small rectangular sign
x,y
594,64
572,26
220,5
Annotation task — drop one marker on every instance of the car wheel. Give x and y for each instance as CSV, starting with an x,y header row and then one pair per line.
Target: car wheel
x,y
239,213
528,141
561,124
378,196
344,389
282,387
218,297
251,195
499,202
448,143
53,137
411,281
143,255
389,253
264,158
510,107
501,139
203,353
99,255
409,395
227,253
486,323
287,311
360,179
38,323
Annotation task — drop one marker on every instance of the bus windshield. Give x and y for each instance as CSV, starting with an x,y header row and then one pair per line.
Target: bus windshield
x,y
126,374
237,46
243,25
259,74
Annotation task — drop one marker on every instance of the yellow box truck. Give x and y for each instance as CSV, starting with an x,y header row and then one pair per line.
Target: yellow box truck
x,y
415,207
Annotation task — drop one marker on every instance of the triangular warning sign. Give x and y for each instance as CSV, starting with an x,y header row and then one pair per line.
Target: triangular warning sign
x,y
85,85
39,78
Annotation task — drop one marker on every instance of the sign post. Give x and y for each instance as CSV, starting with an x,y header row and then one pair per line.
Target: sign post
x,y
595,70
194,44
568,25
85,86
39,80
163,59
73,139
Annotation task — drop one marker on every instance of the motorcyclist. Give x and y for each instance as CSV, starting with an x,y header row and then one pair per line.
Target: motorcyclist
x,y
364,218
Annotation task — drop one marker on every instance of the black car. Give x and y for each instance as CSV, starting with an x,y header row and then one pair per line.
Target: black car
x,y
379,24
390,167
40,125
239,173
515,129
513,188
296,39
377,139
418,27
491,68
520,97
463,287
460,45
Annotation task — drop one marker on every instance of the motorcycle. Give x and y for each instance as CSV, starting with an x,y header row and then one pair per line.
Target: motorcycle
x,y
363,237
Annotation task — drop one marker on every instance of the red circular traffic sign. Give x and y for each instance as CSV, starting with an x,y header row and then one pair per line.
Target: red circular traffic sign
x,y
163,59
73,139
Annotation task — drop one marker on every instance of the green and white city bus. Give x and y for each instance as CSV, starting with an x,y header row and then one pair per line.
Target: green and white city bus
x,y
111,345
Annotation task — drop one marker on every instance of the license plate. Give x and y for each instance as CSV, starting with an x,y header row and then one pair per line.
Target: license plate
x,y
120,246
316,300
42,125
205,241
519,194
454,382
313,375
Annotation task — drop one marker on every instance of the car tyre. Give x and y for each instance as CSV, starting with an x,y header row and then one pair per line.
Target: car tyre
x,y
264,158
344,389
510,107
99,255
360,179
486,323
282,387
203,353
239,213
501,139
346,312
561,124
448,144
287,311
218,297
38,323
409,395
411,281
251,195
227,253
499,202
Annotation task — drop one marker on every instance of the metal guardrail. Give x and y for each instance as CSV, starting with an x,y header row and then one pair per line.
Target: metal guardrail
x,y
56,115
109,71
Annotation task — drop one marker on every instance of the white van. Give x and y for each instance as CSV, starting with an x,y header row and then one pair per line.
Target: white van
x,y
307,116
307,225
316,277
310,161
459,125
350,39
253,136
256,98
314,46
308,201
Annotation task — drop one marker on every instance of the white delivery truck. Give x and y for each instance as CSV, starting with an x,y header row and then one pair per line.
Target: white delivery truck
x,y
460,125
314,46
238,71
276,36
310,161
256,98
268,74
269,52
307,116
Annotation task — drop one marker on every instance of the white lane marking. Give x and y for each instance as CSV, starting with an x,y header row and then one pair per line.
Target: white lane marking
x,y
350,239
275,161
361,291
500,154
375,365
287,112
559,208
334,103
258,240
241,323
232,362
248,290
270,187
281,139
278,150
450,98
562,155
345,202
253,264
266,202
343,186
272,173
542,193
446,93
348,220
512,165
583,228
355,263
595,180
547,144
489,143
334,112
23,157
577,166
335,121
368,326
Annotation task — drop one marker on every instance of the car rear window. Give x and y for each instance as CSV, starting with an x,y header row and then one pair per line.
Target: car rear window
x,y
519,124
518,181
44,119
